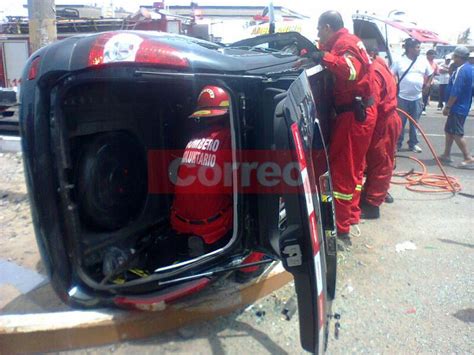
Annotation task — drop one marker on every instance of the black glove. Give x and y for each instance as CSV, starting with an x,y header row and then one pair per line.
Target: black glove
x,y
317,56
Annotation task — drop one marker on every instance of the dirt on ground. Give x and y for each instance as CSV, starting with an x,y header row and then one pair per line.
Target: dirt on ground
x,y
17,240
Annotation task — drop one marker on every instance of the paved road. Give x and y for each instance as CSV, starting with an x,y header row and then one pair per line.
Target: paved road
x,y
418,300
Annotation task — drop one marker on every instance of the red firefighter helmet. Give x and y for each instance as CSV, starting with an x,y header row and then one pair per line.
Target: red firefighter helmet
x,y
212,101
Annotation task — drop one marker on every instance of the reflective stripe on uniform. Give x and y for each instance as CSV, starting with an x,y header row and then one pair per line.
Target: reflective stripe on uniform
x,y
358,187
341,196
352,69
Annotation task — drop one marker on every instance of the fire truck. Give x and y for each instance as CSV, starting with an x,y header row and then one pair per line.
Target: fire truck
x,y
13,56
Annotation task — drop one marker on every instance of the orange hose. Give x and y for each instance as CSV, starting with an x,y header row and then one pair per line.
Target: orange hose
x,y
436,183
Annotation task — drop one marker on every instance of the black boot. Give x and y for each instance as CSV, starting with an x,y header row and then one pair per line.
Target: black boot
x,y
388,198
369,211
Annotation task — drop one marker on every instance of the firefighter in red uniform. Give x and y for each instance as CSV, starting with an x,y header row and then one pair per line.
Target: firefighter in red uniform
x,y
202,210
202,207
380,158
345,57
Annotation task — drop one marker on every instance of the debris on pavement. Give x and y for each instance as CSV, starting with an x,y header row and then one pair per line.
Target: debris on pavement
x,y
465,315
401,247
249,308
337,325
289,309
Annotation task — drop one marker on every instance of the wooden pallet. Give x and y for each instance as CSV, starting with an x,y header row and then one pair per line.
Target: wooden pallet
x,y
55,331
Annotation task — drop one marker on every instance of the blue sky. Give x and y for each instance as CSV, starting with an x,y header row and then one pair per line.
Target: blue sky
x,y
448,18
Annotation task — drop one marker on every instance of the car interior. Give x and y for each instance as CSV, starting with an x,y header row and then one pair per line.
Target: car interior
x,y
120,139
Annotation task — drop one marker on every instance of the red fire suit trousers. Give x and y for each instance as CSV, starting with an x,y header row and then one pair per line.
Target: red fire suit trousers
x,y
378,165
381,159
394,128
349,143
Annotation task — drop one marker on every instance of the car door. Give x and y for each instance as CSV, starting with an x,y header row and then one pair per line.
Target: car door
x,y
302,242
321,82
370,32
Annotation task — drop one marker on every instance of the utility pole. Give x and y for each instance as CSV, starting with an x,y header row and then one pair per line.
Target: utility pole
x,y
271,17
42,23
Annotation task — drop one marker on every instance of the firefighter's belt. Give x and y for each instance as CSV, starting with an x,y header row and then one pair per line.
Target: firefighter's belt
x,y
352,107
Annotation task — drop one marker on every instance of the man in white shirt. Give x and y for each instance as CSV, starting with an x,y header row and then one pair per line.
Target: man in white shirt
x,y
443,80
410,71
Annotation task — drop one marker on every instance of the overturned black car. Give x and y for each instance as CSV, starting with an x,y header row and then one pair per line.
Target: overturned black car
x,y
105,121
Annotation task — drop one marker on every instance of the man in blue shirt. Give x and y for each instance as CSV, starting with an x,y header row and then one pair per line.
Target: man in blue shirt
x,y
459,93
471,61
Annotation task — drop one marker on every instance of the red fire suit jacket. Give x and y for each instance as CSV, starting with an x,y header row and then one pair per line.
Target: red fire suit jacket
x,y
203,194
348,60
386,95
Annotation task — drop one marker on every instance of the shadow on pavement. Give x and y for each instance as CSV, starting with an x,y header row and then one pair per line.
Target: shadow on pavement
x,y
39,300
465,315
210,331
449,241
428,197
432,163
14,197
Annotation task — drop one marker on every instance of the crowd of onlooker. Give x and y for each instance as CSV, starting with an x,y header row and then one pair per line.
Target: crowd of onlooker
x,y
416,74
443,68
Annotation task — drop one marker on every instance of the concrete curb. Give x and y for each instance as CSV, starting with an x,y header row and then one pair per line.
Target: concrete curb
x,y
10,144
57,331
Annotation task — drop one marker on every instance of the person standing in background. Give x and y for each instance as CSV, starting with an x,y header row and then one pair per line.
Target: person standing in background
x,y
430,55
471,61
459,93
411,71
443,79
